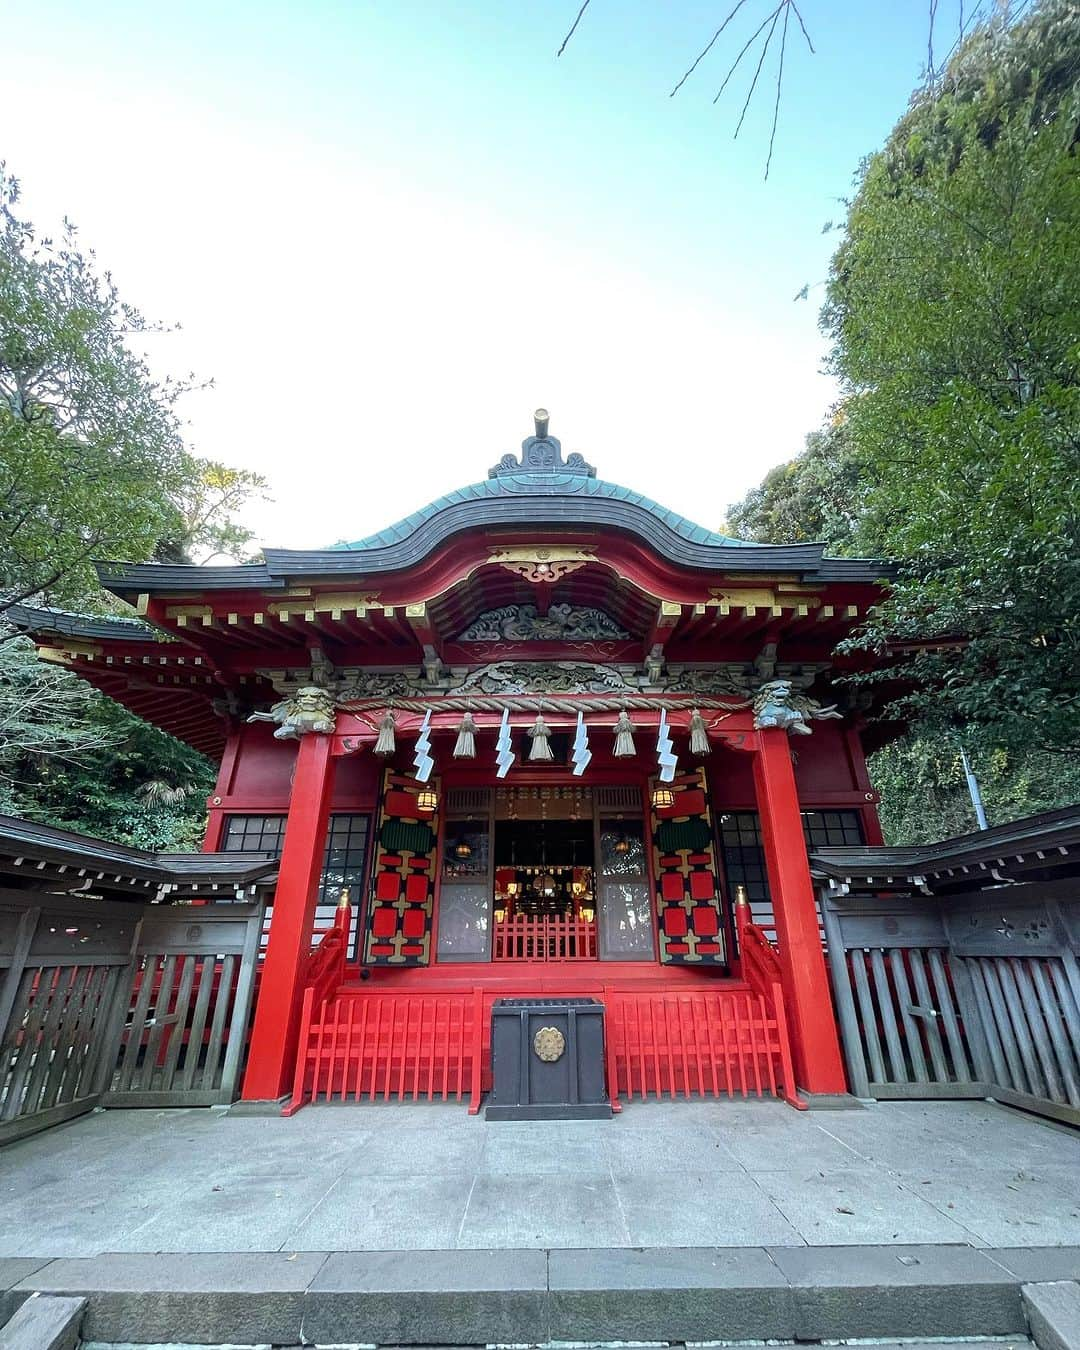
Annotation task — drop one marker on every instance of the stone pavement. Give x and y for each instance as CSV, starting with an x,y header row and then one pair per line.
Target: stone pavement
x,y
396,1177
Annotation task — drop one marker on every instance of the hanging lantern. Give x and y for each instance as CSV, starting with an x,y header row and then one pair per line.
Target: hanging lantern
x,y
465,745
539,731
427,800
546,885
624,737
699,737
386,745
463,849
663,798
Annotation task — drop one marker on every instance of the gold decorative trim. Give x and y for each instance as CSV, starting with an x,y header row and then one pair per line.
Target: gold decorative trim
x,y
549,1044
541,564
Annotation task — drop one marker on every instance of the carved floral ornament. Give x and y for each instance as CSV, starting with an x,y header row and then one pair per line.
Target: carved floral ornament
x,y
502,686
541,565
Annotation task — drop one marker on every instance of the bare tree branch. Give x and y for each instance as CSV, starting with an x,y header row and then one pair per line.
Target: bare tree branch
x,y
705,50
805,34
574,25
746,47
757,72
779,82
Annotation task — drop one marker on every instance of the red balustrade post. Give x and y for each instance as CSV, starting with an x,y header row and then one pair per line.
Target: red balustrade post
x,y
815,1042
274,1035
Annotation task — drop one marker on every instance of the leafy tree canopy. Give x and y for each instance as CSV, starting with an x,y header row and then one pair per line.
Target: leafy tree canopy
x,y
92,460
953,304
92,465
952,307
819,496
73,758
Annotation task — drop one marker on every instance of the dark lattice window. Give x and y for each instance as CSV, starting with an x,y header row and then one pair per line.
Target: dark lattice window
x,y
344,863
828,828
744,858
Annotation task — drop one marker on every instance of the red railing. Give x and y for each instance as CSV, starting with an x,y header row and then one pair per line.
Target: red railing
x,y
526,938
391,1046
730,1042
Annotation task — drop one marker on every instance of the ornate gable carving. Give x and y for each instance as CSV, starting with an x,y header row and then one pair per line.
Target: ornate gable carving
x,y
562,623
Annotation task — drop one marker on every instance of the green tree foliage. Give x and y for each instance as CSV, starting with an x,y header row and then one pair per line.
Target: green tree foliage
x,y
73,758
92,465
953,308
924,794
92,462
206,504
816,497
90,449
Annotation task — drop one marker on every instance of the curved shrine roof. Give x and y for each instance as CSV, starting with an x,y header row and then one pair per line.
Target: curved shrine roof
x,y
544,485
540,490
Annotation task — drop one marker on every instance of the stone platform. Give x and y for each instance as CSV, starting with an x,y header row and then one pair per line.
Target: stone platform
x,y
429,1177
394,1224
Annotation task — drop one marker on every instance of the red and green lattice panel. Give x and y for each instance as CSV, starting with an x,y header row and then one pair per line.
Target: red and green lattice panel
x,y
403,877
689,914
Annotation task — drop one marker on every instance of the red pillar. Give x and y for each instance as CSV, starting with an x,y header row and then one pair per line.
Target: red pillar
x,y
815,1043
215,812
272,1051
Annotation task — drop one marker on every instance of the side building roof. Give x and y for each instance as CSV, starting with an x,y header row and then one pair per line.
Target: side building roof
x,y
79,862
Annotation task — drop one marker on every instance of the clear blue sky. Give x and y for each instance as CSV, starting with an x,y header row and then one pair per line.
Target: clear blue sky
x,y
391,230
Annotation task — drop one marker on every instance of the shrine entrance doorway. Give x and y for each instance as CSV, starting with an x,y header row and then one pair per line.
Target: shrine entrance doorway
x,y
545,891
546,875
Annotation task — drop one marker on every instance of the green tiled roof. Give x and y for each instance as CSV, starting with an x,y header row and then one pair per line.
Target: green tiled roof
x,y
561,486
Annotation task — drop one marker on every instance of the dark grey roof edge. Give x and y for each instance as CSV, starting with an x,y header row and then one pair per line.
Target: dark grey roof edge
x,y
31,619
561,513
185,577
1046,830
28,839
553,512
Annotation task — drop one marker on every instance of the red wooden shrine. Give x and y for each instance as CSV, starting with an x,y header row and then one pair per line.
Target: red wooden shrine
x,y
541,737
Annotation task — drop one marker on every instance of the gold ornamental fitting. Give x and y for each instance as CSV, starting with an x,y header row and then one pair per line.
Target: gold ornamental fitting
x,y
344,902
549,1044
741,898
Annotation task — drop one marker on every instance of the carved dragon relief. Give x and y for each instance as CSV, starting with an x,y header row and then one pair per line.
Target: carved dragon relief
x,y
524,623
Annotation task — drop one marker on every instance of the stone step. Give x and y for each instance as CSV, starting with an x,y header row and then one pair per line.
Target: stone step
x,y
999,1343
530,1297
44,1322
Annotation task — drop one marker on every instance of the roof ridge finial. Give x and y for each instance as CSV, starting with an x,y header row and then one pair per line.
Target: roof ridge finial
x,y
542,453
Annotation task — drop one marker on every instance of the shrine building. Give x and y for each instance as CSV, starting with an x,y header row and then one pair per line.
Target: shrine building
x,y
543,737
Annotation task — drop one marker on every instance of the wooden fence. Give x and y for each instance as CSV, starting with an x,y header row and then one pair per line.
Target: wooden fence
x,y
65,974
191,999
116,1004
968,995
